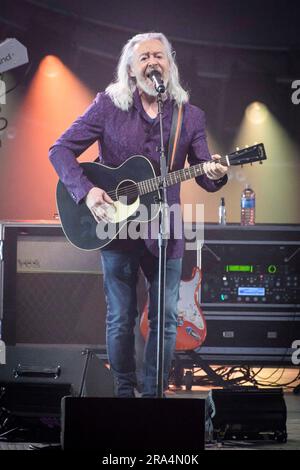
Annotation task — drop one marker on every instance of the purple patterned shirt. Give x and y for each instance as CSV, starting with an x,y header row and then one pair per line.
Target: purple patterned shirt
x,y
121,134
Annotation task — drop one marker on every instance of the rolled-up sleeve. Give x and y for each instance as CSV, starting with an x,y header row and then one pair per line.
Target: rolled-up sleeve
x,y
72,143
199,152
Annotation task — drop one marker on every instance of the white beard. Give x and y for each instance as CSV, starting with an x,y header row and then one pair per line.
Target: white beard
x,y
146,87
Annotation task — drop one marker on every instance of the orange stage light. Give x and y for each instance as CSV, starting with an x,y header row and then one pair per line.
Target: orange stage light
x,y
55,98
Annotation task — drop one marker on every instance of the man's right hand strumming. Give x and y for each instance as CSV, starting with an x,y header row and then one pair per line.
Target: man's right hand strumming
x,y
100,205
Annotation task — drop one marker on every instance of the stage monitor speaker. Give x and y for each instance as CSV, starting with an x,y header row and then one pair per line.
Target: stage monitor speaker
x,y
246,413
136,424
34,375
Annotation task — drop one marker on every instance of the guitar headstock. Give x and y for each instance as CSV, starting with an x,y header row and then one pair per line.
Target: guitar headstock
x,y
255,153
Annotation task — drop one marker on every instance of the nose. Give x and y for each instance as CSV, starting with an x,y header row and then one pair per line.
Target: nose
x,y
152,66
152,62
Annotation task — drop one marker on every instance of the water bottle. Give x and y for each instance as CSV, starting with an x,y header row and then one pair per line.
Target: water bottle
x,y
222,212
248,206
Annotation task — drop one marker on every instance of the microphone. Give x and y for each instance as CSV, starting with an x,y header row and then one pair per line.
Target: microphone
x,y
156,78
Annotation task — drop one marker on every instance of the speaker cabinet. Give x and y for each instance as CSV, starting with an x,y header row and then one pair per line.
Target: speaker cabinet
x,y
144,424
34,381
246,413
46,370
50,292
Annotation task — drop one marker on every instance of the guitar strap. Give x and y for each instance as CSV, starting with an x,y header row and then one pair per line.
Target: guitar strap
x,y
174,134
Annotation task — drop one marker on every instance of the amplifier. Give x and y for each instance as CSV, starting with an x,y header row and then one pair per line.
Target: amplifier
x,y
252,275
250,293
51,292
254,267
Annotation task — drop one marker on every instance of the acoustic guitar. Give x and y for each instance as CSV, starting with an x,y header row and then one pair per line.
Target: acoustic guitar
x,y
133,186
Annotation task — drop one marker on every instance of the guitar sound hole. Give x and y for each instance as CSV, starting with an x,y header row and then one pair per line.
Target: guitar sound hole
x,y
127,192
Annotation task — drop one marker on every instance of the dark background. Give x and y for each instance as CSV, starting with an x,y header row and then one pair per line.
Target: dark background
x,y
229,52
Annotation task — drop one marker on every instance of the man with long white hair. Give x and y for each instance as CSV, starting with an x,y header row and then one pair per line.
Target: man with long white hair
x,y
124,119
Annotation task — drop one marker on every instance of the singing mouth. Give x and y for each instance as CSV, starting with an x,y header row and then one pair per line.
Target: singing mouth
x,y
151,70
149,81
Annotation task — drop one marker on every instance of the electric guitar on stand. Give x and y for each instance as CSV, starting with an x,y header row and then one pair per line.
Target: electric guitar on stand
x,y
191,324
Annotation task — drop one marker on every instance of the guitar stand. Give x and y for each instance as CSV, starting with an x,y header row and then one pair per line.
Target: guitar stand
x,y
219,381
195,357
215,378
88,352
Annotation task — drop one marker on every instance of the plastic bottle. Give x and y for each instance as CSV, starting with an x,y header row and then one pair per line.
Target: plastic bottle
x,y
248,206
222,212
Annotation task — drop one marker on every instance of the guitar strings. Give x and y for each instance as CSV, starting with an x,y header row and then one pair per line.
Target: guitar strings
x,y
133,189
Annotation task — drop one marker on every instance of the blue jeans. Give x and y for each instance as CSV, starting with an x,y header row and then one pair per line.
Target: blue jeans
x,y
120,269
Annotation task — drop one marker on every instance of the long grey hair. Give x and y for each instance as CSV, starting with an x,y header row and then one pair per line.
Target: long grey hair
x,y
122,89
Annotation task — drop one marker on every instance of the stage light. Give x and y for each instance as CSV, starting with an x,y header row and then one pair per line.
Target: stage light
x,y
280,170
53,100
51,66
257,112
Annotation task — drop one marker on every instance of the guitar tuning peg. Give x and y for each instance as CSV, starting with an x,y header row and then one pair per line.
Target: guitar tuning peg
x,y
246,146
251,163
237,148
260,162
255,143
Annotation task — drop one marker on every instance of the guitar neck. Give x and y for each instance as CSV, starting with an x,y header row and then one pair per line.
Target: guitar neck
x,y
176,177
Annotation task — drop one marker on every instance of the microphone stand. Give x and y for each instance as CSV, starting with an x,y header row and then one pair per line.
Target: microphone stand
x,y
163,237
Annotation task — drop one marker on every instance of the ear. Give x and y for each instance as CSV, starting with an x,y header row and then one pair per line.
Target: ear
x,y
130,72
